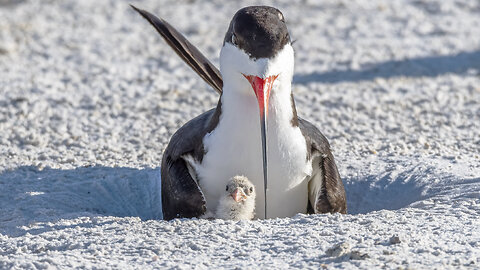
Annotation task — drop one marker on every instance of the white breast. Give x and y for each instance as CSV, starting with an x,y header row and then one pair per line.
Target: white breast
x,y
234,148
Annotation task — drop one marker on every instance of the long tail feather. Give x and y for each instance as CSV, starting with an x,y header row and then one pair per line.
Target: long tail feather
x,y
186,50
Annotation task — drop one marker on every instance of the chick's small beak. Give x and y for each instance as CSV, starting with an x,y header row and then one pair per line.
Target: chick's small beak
x,y
238,195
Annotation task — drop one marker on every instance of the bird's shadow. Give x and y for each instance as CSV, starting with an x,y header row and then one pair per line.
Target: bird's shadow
x,y
29,196
429,66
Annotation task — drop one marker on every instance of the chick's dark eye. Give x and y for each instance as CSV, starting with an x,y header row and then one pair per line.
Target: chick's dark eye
x,y
226,189
251,189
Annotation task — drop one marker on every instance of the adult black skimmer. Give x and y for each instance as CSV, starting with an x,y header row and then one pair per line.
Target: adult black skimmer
x,y
256,67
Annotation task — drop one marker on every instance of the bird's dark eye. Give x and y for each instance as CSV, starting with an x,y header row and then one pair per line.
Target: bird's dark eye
x,y
251,189
226,189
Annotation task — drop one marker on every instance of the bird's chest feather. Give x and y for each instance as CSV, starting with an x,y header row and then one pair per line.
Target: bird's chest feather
x,y
234,148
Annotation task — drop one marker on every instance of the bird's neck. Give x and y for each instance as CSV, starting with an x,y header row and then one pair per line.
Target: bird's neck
x,y
239,102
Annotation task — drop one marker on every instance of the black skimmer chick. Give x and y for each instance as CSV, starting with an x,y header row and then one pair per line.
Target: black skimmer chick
x,y
238,200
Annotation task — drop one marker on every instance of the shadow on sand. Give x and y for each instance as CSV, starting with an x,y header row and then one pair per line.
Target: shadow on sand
x,y
430,66
10,3
393,190
29,195
382,192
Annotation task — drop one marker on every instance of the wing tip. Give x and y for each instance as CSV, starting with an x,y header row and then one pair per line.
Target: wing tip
x,y
145,14
136,9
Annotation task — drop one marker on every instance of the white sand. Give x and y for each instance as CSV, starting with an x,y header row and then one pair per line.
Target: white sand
x,y
90,95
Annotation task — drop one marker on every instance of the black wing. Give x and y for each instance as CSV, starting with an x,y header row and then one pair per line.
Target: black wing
x,y
330,196
189,53
181,195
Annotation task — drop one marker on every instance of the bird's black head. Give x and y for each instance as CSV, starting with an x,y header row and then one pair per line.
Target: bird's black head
x,y
260,31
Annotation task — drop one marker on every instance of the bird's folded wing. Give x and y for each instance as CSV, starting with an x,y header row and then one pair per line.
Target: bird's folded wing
x,y
329,196
181,196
